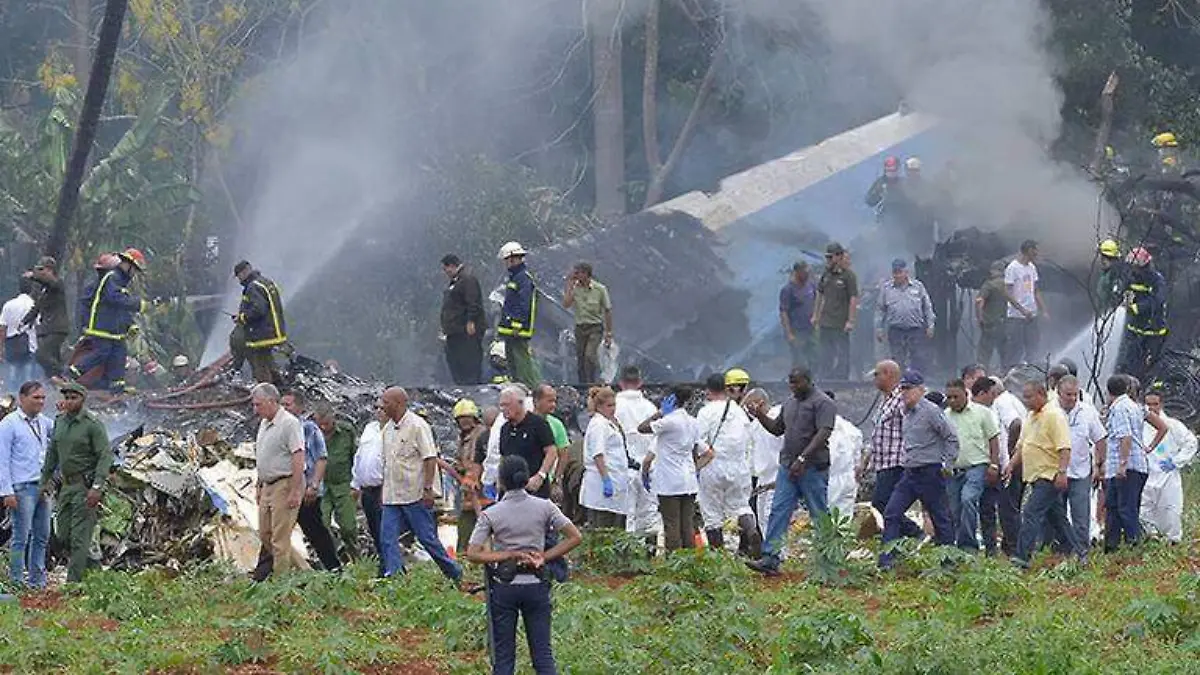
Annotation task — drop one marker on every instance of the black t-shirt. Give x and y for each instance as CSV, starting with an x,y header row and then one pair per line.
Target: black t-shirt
x,y
528,439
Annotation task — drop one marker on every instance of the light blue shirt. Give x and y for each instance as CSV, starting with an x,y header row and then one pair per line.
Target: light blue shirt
x,y
23,443
314,449
1125,420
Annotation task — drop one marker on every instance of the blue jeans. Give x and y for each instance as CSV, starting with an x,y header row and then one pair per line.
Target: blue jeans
x,y
812,487
927,485
1045,506
964,489
1122,500
19,372
908,347
1079,506
885,484
31,532
418,519
532,603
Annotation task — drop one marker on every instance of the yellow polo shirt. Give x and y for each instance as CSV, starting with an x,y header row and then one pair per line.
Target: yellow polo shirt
x,y
1043,434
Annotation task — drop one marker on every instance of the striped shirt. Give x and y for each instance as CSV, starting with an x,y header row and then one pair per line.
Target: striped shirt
x,y
1125,420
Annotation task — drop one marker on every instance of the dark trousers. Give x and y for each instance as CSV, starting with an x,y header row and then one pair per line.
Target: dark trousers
x,y
49,353
885,484
587,352
835,352
606,519
108,354
313,526
76,523
991,343
532,603
678,514
1021,337
464,356
372,506
262,365
1122,500
927,485
1003,501
1139,353
1044,506
802,348
909,347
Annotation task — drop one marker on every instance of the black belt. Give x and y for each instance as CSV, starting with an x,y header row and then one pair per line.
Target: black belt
x,y
77,479
505,572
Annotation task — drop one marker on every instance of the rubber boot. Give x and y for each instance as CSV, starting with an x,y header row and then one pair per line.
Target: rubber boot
x,y
716,539
749,540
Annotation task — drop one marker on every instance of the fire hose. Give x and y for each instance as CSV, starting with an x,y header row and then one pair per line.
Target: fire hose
x,y
207,378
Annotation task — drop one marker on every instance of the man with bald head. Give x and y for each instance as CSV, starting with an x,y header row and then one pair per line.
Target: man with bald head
x,y
409,471
887,443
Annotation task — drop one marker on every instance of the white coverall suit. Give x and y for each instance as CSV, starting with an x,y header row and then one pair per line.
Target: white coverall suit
x,y
725,482
845,451
764,455
1162,498
632,409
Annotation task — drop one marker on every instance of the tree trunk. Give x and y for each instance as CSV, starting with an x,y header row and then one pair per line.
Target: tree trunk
x,y
608,108
658,181
650,91
1106,115
81,31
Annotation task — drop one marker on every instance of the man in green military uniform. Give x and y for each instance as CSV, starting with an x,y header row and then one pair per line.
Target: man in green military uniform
x,y
79,455
340,439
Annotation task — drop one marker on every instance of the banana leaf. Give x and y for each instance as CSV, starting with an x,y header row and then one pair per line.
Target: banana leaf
x,y
136,139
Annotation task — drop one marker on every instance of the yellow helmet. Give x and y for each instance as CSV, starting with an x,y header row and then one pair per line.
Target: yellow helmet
x,y
1165,140
1110,249
465,408
737,377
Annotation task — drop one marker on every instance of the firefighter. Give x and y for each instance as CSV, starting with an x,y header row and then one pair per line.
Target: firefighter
x,y
260,325
109,310
877,194
1113,272
1167,146
518,316
1145,300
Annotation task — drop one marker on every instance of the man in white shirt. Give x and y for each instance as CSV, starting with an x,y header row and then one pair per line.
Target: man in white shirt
x,y
764,455
1089,441
409,471
20,342
1025,307
725,481
632,409
1000,500
670,467
366,477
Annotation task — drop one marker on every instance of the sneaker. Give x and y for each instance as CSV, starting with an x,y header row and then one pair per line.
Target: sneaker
x,y
764,567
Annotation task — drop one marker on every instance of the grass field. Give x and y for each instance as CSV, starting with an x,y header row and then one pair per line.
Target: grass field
x,y
692,613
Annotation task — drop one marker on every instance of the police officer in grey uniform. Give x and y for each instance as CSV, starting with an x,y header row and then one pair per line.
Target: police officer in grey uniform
x,y
516,560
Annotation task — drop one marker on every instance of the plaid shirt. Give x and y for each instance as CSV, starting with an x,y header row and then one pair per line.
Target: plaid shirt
x,y
887,438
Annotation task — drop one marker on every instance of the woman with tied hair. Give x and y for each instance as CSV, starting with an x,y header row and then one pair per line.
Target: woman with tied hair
x,y
606,474
509,538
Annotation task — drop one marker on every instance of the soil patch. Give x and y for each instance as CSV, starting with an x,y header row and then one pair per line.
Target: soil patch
x,y
420,667
41,602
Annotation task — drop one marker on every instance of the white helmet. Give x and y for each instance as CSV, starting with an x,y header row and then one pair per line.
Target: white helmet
x,y
510,249
912,164
180,361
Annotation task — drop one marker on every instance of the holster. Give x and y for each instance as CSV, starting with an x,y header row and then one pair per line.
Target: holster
x,y
505,572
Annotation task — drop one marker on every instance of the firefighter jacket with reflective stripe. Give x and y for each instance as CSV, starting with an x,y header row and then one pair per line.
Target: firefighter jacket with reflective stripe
x,y
108,307
261,312
1147,313
520,304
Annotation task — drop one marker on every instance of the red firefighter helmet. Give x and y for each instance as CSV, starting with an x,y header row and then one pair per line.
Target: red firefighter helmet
x,y
134,257
891,165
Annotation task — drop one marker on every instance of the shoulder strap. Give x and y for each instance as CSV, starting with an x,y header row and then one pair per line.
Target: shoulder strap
x,y
721,424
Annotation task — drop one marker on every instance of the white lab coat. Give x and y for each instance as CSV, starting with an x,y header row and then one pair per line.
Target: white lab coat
x,y
845,450
632,409
604,437
1162,498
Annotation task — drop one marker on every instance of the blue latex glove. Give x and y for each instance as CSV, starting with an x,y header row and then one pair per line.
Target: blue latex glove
x,y
1167,465
646,481
609,488
489,491
669,404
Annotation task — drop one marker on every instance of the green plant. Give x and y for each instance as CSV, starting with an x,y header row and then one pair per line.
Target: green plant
x,y
828,562
613,552
824,636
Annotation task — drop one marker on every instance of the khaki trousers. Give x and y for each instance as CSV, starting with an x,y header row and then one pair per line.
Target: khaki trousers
x,y
276,521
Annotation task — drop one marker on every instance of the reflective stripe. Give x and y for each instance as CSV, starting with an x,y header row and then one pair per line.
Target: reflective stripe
x,y
91,329
279,338
1149,332
1139,287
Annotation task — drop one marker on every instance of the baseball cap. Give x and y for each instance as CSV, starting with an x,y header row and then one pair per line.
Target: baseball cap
x,y
835,249
46,262
911,378
899,264
73,388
